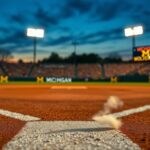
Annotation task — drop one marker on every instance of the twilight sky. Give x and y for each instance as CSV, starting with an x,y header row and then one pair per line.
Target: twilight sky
x,y
97,26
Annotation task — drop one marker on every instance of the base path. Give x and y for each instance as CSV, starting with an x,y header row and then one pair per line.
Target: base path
x,y
85,135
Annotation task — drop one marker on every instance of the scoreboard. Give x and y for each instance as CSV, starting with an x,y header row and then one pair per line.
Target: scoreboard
x,y
141,53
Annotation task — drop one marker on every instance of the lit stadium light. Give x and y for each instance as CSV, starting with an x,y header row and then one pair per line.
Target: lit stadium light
x,y
39,33
128,32
138,30
35,33
133,31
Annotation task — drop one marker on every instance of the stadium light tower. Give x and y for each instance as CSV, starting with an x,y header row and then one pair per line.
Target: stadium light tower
x,y
133,32
75,59
35,33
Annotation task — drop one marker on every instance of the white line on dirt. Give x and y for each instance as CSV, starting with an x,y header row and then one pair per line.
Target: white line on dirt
x,y
70,87
18,115
67,135
131,111
23,117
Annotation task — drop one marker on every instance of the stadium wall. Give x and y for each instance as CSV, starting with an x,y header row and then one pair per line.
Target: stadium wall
x,y
133,78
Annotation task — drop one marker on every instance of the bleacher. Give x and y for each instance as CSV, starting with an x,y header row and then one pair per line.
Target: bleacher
x,y
53,70
67,70
17,69
89,71
1,72
145,70
122,69
93,71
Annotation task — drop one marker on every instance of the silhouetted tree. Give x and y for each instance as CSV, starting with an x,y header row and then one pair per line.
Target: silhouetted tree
x,y
82,58
53,58
20,61
113,58
5,55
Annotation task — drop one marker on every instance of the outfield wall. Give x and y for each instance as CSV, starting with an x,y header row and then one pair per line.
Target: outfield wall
x,y
133,78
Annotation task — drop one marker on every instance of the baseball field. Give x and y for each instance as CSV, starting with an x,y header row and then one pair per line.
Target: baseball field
x,y
22,103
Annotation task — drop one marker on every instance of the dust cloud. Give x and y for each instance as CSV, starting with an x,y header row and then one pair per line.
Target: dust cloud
x,y
104,116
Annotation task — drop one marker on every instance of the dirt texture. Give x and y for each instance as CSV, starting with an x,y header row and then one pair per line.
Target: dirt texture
x,y
75,104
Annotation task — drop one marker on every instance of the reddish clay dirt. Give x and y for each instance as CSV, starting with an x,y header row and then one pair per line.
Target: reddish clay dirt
x,y
76,104
8,129
137,127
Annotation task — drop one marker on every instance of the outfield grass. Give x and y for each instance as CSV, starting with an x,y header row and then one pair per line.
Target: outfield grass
x,y
80,83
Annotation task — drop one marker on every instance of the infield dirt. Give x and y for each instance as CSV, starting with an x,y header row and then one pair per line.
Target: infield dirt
x,y
76,104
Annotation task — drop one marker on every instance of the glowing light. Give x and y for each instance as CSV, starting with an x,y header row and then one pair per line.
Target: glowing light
x,y
138,30
39,33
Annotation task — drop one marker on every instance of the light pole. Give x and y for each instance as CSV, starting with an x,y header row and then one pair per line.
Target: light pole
x,y
75,59
35,33
133,32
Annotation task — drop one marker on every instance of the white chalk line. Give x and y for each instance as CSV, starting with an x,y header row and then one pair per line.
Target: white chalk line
x,y
86,135
70,87
23,117
131,111
18,116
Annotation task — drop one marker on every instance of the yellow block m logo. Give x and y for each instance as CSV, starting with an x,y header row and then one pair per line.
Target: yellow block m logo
x,y
114,79
3,79
145,53
40,79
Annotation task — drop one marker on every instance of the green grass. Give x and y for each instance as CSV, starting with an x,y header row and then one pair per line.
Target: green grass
x,y
79,83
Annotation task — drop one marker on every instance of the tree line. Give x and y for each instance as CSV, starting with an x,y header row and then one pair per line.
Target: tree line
x,y
81,58
72,58
5,55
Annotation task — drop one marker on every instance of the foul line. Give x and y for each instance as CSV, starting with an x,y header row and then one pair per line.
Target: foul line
x,y
18,116
31,118
131,111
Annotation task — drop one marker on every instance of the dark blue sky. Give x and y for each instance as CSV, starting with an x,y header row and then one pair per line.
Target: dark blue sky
x,y
97,25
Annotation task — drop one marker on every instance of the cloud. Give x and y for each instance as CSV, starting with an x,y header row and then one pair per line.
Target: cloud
x,y
102,36
58,18
19,18
108,10
18,36
82,6
58,41
141,16
4,30
92,38
29,50
69,8
15,40
45,18
64,10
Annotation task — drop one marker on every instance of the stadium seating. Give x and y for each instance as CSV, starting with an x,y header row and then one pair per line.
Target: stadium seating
x,y
67,70
89,71
53,70
84,71
1,72
17,69
145,69
125,69
1,69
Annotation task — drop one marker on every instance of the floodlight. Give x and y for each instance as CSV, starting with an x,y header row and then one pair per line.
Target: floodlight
x,y
35,33
39,33
128,32
133,31
138,30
